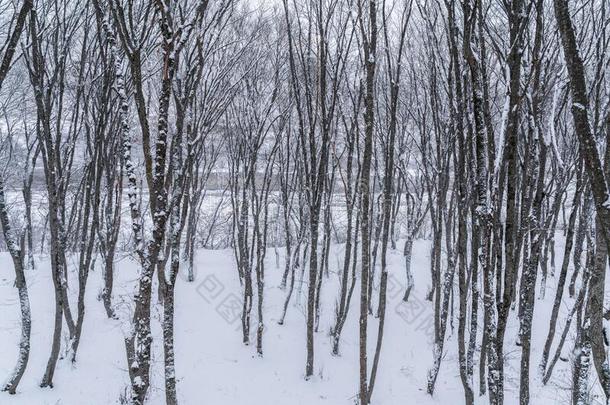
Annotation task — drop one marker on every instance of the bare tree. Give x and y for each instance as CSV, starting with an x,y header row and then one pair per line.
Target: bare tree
x,y
14,245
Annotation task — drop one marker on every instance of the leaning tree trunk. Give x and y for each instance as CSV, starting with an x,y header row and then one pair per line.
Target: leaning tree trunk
x,y
15,250
597,179
16,253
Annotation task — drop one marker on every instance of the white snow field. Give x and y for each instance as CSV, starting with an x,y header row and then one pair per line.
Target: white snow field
x,y
214,367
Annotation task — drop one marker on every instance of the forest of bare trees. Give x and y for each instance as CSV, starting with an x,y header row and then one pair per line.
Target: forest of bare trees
x,y
314,141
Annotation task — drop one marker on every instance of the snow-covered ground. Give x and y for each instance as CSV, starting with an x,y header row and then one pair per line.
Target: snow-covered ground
x,y
214,367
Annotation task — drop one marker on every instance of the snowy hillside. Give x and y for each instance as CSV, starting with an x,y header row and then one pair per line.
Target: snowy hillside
x,y
214,367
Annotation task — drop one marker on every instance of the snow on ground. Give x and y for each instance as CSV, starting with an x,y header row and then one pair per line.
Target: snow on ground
x,y
215,368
